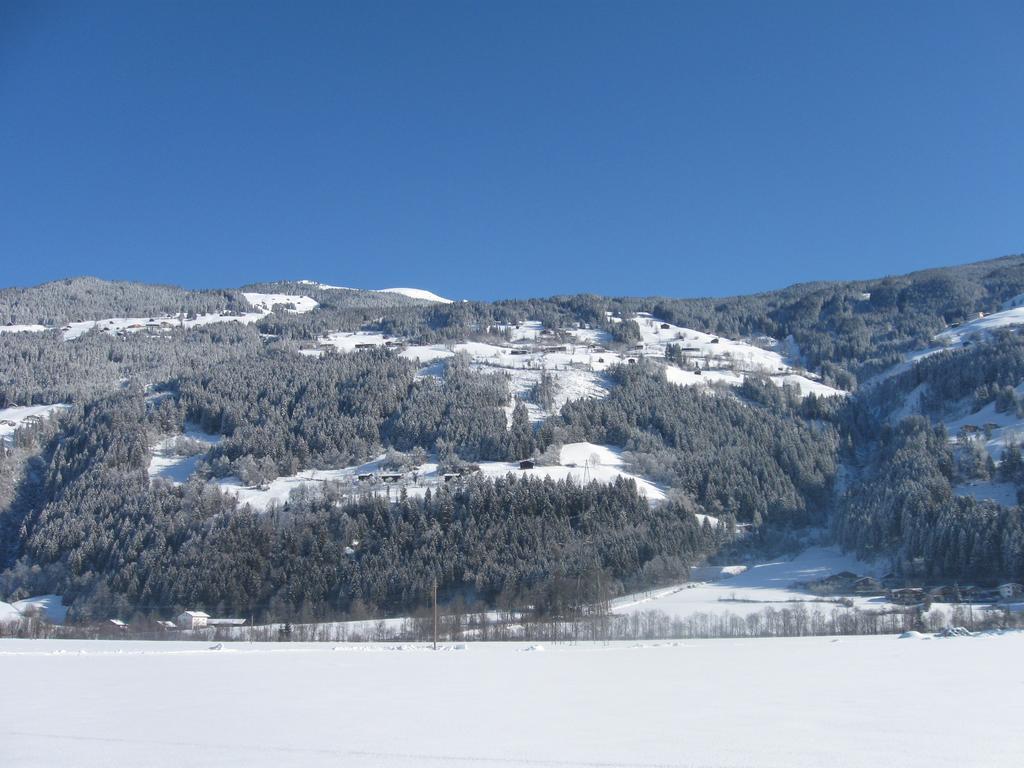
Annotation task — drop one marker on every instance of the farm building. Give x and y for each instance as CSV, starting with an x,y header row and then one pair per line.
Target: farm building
x,y
191,619
868,586
907,595
526,464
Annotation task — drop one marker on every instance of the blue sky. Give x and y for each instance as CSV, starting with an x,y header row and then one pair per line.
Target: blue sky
x,y
488,150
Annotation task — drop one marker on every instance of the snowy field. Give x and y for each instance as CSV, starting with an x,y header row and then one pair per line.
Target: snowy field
x,y
757,587
266,302
786,703
583,462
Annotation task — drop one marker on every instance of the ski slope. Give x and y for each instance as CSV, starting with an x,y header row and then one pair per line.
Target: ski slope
x,y
856,702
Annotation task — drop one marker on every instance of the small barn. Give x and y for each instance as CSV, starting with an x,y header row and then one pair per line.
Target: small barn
x,y
526,464
192,619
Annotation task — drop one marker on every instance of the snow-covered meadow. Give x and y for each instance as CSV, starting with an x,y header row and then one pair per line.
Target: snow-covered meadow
x,y
583,462
771,703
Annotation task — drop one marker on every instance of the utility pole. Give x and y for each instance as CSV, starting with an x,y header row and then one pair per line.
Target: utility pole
x,y
435,614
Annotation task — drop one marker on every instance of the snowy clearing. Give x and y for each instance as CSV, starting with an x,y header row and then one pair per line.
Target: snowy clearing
x,y
266,302
114,325
167,463
15,417
583,462
1001,493
755,588
412,293
959,336
786,703
12,328
417,293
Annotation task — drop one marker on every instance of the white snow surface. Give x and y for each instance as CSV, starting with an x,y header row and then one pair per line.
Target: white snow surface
x,y
266,301
165,463
982,326
755,588
978,330
412,293
856,702
50,606
11,419
583,462
1001,493
12,328
113,325
417,293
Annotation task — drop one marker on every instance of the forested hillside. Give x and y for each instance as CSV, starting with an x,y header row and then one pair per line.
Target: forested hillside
x,y
294,450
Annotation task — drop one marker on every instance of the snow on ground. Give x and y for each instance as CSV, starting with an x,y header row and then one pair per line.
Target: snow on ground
x,y
995,431
8,612
114,325
12,328
724,360
583,462
982,326
266,301
755,588
856,702
165,463
691,378
578,367
1002,428
11,419
959,336
412,293
51,607
1001,493
349,341
417,293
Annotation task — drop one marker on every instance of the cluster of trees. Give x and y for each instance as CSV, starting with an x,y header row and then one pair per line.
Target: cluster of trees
x,y
281,412
42,368
979,374
731,457
902,505
91,526
88,298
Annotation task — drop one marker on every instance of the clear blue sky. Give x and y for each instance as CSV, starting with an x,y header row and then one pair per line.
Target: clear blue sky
x,y
485,149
